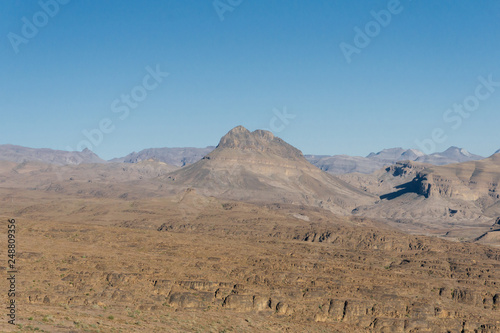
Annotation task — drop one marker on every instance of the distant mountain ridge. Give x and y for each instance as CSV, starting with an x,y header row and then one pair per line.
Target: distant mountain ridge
x,y
342,164
183,156
261,168
396,154
19,154
336,164
449,156
173,156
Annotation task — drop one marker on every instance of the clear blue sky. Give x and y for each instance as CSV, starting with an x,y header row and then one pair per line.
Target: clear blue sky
x,y
263,56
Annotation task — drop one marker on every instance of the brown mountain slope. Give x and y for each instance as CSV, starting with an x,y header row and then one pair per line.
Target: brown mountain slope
x,y
259,167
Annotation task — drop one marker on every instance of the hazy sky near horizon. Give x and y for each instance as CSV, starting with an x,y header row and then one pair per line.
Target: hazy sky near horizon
x,y
329,77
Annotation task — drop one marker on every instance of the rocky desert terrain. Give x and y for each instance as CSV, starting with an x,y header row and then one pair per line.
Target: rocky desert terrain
x,y
251,238
190,263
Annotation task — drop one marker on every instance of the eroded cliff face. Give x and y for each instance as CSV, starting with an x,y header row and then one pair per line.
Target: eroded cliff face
x,y
468,181
446,185
460,199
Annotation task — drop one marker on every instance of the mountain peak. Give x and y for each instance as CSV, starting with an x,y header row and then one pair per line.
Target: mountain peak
x,y
452,148
417,152
238,129
261,167
239,138
457,150
395,154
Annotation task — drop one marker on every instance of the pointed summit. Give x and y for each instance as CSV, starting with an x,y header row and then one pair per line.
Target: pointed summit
x,y
240,137
258,141
257,166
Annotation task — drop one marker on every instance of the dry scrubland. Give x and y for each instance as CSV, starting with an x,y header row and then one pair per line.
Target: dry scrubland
x,y
189,263
252,238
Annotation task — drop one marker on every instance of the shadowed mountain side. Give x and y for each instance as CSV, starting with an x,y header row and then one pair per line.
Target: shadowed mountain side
x,y
385,181
256,166
461,200
410,187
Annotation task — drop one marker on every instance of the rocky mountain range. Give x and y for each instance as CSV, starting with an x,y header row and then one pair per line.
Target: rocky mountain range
x,y
337,164
259,167
253,237
180,157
